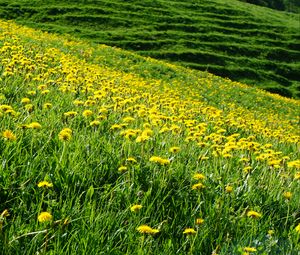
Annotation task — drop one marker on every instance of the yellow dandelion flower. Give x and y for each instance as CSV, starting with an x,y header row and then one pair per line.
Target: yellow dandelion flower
x,y
297,228
25,100
253,214
294,164
250,249
297,176
87,113
78,102
144,229
189,231
45,184
142,138
95,123
46,91
198,186
34,125
131,160
47,106
31,92
287,195
247,169
136,208
198,176
146,126
128,119
5,107
159,160
174,149
115,127
4,214
9,135
199,221
44,217
271,232
122,169
101,117
41,87
29,107
70,114
228,189
65,134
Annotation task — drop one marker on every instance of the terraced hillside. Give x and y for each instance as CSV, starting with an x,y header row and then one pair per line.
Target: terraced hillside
x,y
246,43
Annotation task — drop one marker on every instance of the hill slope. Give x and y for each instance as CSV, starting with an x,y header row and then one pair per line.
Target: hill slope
x,y
106,151
282,5
244,42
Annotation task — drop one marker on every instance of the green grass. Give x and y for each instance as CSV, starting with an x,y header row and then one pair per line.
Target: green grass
x,y
235,126
232,39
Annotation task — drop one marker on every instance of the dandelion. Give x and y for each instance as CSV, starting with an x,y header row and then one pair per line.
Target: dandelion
x,y
4,214
42,87
122,169
78,102
297,229
198,186
29,107
128,119
46,91
189,231
199,221
9,135
142,138
65,134
31,92
47,106
101,117
5,107
87,113
174,149
253,214
144,229
70,114
247,169
294,164
136,208
159,160
131,160
115,127
250,249
25,100
198,176
34,125
228,189
287,195
271,232
297,176
45,184
44,217
95,123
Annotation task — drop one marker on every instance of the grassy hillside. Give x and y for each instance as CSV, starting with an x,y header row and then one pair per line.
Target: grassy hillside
x,y
107,152
246,43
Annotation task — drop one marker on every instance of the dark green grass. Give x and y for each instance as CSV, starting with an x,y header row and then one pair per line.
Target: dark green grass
x,y
229,38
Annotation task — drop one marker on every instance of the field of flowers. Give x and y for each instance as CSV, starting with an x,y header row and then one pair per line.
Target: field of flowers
x,y
106,152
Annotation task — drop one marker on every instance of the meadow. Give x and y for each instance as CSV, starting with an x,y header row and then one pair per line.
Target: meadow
x,y
107,152
247,43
